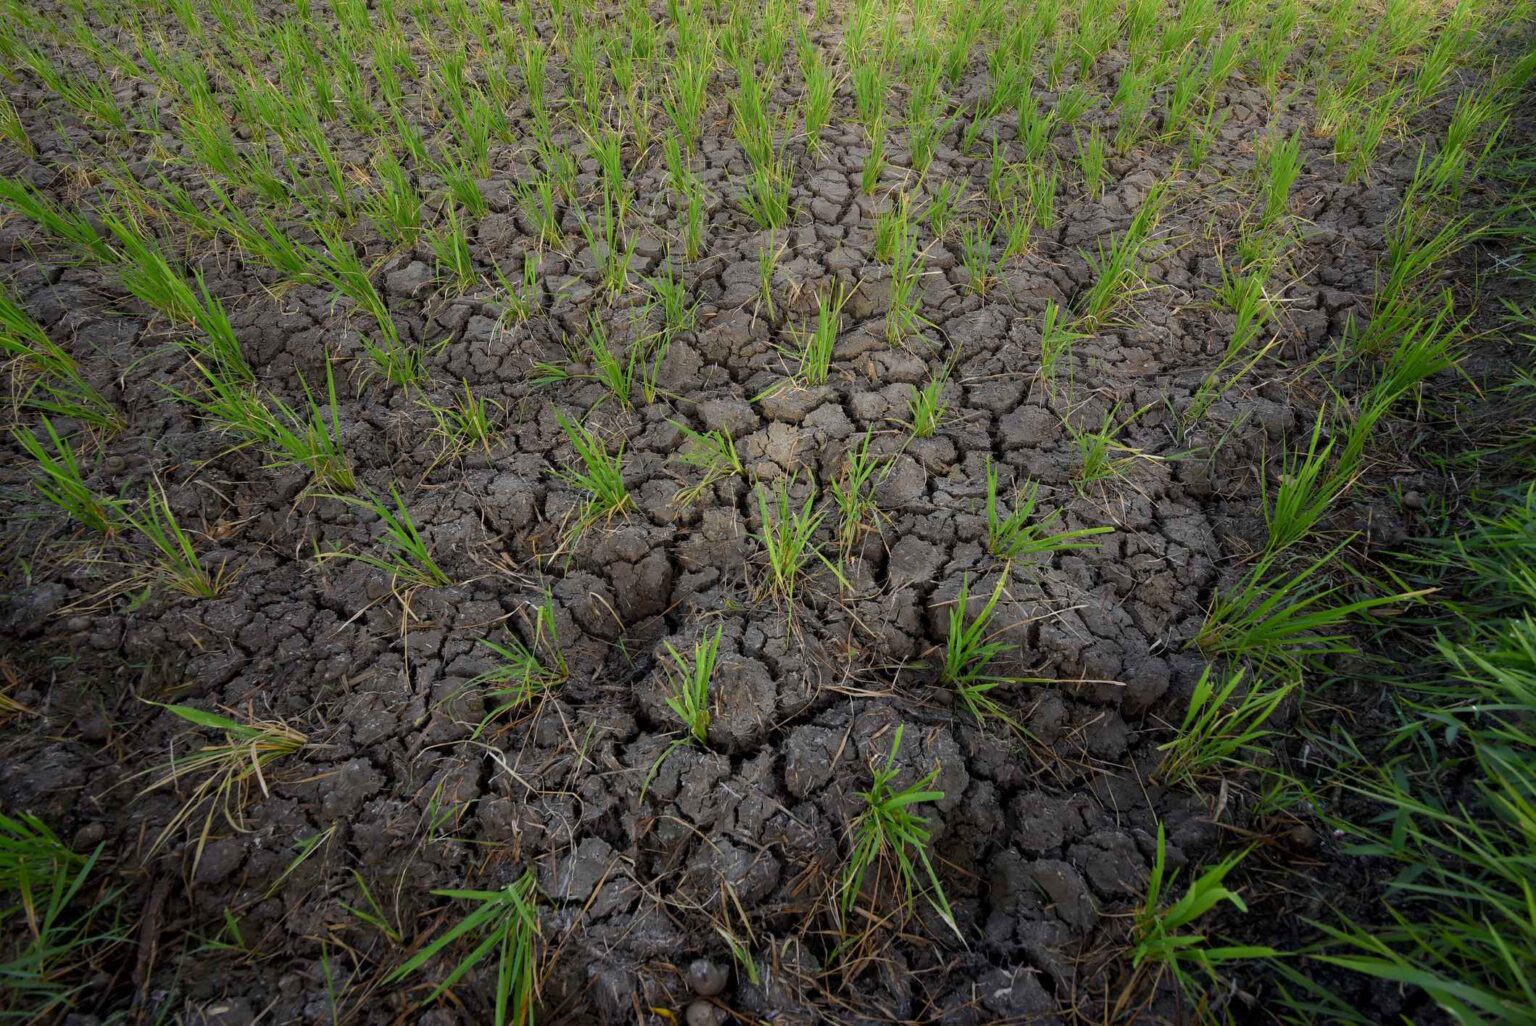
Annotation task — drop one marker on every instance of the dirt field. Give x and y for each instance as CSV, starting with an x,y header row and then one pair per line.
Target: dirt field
x,y
577,410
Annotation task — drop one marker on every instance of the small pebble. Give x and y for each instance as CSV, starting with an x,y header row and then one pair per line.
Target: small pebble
x,y
88,836
706,978
702,1013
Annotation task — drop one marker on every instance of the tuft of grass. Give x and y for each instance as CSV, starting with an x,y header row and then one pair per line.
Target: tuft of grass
x,y
177,562
60,479
217,777
854,494
523,670
504,925
598,474
406,555
969,653
928,406
788,538
690,678
1162,937
57,927
1021,533
1285,619
710,453
889,831
44,375
818,345
1221,727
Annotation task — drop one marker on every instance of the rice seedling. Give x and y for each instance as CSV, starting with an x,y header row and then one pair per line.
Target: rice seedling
x,y
216,778
1160,932
946,199
818,345
670,296
1020,533
615,370
1281,167
1093,161
464,425
853,492
60,928
869,89
1221,728
308,436
788,538
766,199
1102,454
711,454
523,671
13,130
874,161
598,474
1056,339
406,556
503,924
977,258
1306,490
888,830
1457,155
1285,620
60,480
816,103
177,561
928,406
969,652
1115,278
44,375
90,95
450,247
689,680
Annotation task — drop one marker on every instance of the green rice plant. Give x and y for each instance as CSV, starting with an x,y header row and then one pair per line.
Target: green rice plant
x,y
1035,127
1458,155
689,680
216,778
177,562
712,454
1115,278
145,272
1102,455
59,928
1160,932
503,924
946,199
308,436
670,296
519,301
818,345
874,161
1056,339
59,479
888,830
44,375
1021,533
928,406
767,265
467,423
1073,102
1424,347
816,102
1358,139
1285,620
406,555
1307,489
969,652
450,248
616,370
853,492
1092,161
1281,167
869,89
12,129
686,98
89,94
788,538
766,199
522,671
977,257
598,474
1221,728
